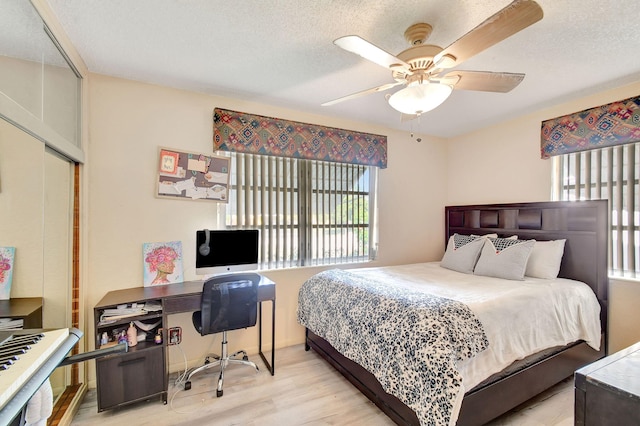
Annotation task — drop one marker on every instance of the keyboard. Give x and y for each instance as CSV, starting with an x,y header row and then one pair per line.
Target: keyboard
x,y
27,359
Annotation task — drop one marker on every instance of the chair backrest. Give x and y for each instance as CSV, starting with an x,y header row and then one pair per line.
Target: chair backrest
x,y
229,302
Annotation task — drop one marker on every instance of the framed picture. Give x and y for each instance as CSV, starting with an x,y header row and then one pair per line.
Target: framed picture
x,y
168,162
162,263
7,255
192,176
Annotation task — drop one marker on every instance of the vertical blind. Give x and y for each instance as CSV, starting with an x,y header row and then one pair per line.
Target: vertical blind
x,y
608,173
309,212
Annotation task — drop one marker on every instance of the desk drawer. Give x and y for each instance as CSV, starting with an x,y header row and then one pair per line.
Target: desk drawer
x,y
189,303
130,377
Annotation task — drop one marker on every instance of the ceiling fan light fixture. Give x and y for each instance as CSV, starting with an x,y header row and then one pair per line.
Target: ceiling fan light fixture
x,y
420,98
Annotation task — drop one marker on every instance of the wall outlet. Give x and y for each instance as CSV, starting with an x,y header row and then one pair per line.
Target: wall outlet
x,y
175,335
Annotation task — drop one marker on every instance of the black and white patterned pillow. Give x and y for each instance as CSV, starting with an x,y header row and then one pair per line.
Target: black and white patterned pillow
x,y
504,258
462,252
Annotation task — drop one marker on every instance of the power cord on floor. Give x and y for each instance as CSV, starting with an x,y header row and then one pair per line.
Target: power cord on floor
x,y
180,411
182,376
179,382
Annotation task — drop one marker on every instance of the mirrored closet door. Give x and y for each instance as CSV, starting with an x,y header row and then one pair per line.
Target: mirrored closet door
x,y
36,201
40,154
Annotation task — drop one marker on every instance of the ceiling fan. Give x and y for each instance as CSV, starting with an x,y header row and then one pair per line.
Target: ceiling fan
x,y
422,67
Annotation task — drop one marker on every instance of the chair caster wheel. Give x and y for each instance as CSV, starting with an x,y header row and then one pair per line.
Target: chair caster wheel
x,y
187,385
245,358
218,393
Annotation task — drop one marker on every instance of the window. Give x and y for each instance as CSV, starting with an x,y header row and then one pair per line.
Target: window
x,y
608,173
308,212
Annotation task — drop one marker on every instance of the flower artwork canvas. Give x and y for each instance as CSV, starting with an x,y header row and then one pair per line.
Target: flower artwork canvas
x,y
162,263
7,255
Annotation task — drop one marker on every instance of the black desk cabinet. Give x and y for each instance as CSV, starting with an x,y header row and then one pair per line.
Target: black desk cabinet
x,y
142,373
134,376
607,392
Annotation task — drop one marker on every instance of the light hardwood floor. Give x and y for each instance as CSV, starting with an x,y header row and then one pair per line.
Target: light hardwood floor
x,y
304,391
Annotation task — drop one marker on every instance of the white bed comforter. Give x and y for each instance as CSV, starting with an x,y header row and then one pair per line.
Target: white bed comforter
x,y
520,318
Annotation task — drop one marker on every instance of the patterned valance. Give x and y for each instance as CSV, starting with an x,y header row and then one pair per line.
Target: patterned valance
x,y
614,124
256,134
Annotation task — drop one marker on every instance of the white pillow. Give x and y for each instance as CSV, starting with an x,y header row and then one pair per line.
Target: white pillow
x,y
504,258
545,259
462,253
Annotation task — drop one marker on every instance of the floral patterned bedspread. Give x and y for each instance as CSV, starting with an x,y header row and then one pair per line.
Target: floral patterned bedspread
x,y
409,340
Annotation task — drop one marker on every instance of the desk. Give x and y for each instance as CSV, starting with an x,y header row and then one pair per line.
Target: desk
x,y
174,298
28,309
185,297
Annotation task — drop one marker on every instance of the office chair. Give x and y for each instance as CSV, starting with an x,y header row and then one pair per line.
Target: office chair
x,y
229,302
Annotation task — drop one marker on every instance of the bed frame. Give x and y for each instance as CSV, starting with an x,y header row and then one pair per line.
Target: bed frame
x,y
584,224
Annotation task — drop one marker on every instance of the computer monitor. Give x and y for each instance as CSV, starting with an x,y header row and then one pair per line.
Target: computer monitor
x,y
225,251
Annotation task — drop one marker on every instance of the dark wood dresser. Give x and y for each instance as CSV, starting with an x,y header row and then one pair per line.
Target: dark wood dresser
x,y
608,390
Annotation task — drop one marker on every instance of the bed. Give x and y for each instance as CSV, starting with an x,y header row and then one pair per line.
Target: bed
x,y
584,227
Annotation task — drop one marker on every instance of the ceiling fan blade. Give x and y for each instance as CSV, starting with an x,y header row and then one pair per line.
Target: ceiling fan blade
x,y
485,81
362,93
515,17
373,53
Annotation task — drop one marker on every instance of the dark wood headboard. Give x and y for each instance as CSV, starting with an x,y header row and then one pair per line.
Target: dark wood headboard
x,y
584,224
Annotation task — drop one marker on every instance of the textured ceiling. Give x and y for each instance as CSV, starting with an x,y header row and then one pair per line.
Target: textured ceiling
x,y
281,52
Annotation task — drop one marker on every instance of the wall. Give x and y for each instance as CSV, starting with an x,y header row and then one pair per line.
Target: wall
x,y
499,164
502,163
624,298
129,121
